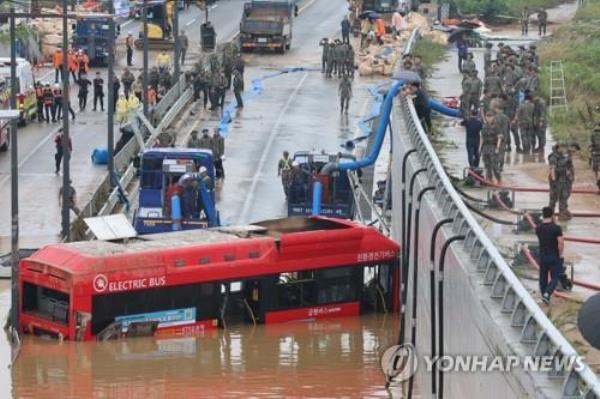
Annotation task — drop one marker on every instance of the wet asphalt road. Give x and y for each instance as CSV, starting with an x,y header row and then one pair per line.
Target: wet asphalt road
x,y
39,215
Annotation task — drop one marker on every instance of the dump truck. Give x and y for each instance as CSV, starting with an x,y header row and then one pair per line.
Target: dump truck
x,y
267,25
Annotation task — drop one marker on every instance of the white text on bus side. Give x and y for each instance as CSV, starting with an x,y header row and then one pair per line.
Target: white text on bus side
x,y
141,283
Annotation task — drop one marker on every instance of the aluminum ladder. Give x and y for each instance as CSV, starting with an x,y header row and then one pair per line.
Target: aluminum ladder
x,y
558,95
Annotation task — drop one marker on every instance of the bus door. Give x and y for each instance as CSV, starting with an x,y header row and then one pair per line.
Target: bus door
x,y
241,301
381,287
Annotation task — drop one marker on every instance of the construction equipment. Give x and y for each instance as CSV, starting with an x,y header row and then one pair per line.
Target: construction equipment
x,y
558,96
381,6
173,192
337,195
159,16
92,35
267,25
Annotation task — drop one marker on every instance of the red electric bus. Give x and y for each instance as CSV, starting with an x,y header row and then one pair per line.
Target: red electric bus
x,y
185,282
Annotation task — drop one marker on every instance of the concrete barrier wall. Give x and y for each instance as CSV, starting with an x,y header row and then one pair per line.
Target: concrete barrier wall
x,y
487,311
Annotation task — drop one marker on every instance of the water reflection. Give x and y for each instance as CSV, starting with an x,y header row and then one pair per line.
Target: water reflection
x,y
333,358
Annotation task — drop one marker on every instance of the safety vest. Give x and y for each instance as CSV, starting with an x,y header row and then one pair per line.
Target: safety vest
x,y
285,164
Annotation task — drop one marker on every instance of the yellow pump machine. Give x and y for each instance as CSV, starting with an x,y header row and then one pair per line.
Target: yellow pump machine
x,y
160,24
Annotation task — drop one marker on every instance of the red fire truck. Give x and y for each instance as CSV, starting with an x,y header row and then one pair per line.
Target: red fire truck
x,y
185,282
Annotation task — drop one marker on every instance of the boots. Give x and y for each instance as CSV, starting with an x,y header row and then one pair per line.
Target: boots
x,y
564,216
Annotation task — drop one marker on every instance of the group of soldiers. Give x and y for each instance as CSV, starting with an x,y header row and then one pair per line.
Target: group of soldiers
x,y
213,76
216,144
337,58
510,106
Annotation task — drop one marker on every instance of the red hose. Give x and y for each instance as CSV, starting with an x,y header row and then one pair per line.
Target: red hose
x,y
531,222
525,189
536,266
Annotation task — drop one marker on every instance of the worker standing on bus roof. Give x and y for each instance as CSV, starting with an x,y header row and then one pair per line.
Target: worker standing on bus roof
x,y
57,61
129,43
284,169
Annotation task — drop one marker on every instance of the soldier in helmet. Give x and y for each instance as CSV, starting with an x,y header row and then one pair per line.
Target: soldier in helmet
x,y
325,54
205,141
194,141
560,178
595,151
524,119
491,148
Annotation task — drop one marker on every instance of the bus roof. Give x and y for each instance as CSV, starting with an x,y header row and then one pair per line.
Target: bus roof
x,y
290,239
176,151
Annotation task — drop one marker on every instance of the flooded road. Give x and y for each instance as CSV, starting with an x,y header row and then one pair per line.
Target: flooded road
x,y
335,358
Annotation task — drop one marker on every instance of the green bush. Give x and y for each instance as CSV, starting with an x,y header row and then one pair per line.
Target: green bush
x,y
577,46
491,8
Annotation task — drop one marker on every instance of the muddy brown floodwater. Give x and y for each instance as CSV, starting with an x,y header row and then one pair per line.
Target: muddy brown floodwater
x,y
334,358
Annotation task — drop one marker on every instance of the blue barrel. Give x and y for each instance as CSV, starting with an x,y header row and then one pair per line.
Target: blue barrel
x,y
100,156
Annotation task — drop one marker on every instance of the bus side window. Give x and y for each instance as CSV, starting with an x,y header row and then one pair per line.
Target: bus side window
x,y
342,284
296,290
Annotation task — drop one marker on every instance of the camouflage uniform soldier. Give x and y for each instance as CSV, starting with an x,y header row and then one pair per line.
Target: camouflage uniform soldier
x,y
476,88
502,123
560,179
524,119
540,122
331,68
194,141
340,56
345,91
595,151
284,169
349,62
205,141
487,56
493,84
510,110
218,149
215,64
468,65
325,54
491,144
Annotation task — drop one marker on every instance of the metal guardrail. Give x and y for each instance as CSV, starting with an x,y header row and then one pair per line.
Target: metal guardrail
x,y
537,332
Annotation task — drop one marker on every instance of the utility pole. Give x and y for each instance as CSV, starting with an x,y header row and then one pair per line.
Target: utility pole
x,y
111,96
176,37
66,197
14,179
145,73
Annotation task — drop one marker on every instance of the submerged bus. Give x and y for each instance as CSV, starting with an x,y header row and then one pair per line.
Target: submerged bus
x,y
185,282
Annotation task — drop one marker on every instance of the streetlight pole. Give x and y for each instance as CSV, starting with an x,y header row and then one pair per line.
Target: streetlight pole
x,y
66,148
111,96
145,72
176,38
14,179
